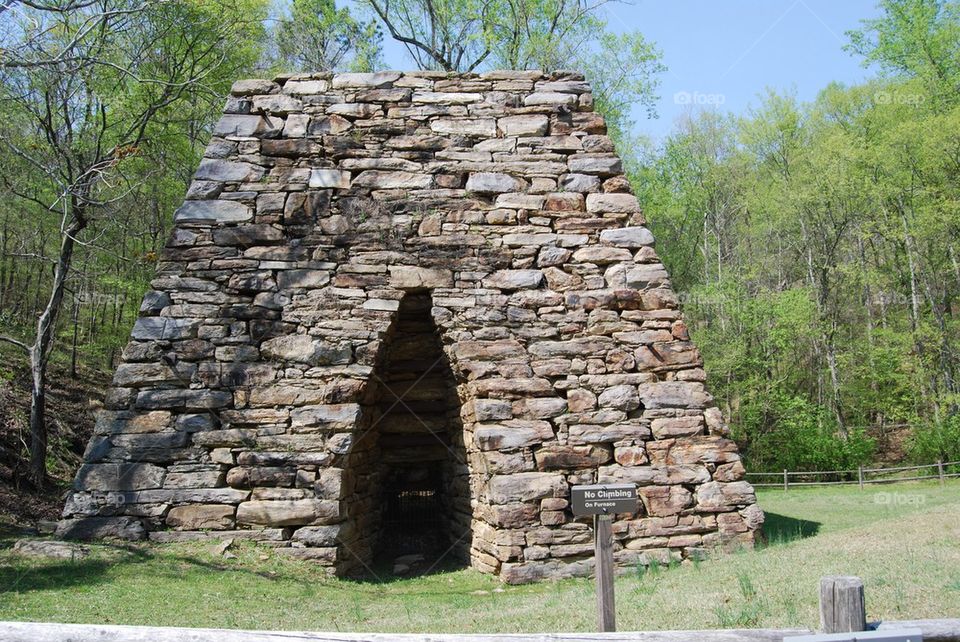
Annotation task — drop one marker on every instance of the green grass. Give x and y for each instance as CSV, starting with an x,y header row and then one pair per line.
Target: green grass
x,y
906,548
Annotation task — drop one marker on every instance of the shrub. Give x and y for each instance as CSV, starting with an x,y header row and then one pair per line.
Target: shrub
x,y
796,434
937,441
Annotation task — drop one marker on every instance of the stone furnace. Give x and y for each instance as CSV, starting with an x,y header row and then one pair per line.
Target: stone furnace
x,y
402,313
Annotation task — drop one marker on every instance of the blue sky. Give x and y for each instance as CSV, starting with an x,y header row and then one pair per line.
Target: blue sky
x,y
725,52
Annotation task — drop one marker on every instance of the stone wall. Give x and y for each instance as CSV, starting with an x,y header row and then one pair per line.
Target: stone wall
x,y
253,399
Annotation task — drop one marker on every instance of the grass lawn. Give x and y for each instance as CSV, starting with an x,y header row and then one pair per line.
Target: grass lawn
x,y
903,540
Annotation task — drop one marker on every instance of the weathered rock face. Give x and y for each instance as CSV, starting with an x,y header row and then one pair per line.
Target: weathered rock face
x,y
278,387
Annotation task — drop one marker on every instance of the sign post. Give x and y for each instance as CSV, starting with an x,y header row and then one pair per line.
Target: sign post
x,y
603,501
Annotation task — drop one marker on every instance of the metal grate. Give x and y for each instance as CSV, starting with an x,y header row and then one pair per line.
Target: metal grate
x,y
411,522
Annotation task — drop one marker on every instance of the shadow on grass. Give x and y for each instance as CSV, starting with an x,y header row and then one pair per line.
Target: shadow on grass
x,y
23,574
780,529
29,574
381,571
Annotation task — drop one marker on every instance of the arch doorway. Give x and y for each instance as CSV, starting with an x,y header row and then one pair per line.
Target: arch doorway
x,y
412,501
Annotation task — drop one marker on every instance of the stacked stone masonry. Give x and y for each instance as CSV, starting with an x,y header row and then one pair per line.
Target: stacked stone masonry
x,y
257,397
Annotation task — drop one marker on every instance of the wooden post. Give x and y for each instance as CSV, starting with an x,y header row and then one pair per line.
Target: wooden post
x,y
860,476
842,607
603,558
940,471
786,483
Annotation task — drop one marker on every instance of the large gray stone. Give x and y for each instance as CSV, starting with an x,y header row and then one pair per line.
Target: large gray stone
x,y
254,86
409,277
329,178
215,169
486,127
304,278
492,183
301,348
514,279
211,212
523,487
579,183
330,125
108,477
445,97
512,434
304,87
279,104
188,399
244,126
602,203
601,164
719,497
319,535
91,528
163,328
327,417
376,80
392,180
632,237
620,397
550,98
674,394
525,125
50,549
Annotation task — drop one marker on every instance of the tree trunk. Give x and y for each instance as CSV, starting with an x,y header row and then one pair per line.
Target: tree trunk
x,y
76,328
38,424
3,265
40,350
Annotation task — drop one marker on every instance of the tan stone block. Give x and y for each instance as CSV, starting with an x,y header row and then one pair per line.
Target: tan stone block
x,y
581,400
288,512
504,489
559,457
201,517
665,500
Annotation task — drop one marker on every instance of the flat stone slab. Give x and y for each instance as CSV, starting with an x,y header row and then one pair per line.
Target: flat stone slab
x,y
52,549
210,212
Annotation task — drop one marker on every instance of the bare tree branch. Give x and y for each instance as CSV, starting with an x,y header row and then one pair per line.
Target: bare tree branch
x,y
11,340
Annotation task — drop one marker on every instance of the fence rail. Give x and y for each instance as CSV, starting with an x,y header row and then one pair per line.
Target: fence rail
x,y
860,476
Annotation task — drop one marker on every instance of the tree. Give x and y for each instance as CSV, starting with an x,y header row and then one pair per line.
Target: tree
x,y
84,91
915,38
451,35
317,36
471,35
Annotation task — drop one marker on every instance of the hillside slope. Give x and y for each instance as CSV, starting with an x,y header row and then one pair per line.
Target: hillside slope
x,y
71,402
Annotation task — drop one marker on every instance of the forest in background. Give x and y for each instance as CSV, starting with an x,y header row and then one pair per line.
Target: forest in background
x,y
815,250
812,245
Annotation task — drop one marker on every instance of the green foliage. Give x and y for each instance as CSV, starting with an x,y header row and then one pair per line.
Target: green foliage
x,y
937,441
472,35
104,109
814,250
916,38
449,35
746,612
319,36
623,70
790,432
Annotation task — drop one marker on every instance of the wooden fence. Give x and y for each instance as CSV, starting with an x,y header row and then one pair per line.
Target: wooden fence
x,y
860,476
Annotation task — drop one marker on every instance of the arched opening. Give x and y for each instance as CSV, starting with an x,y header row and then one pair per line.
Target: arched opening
x,y
412,474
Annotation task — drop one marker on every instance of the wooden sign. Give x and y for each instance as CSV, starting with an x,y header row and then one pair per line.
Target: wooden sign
x,y
603,499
